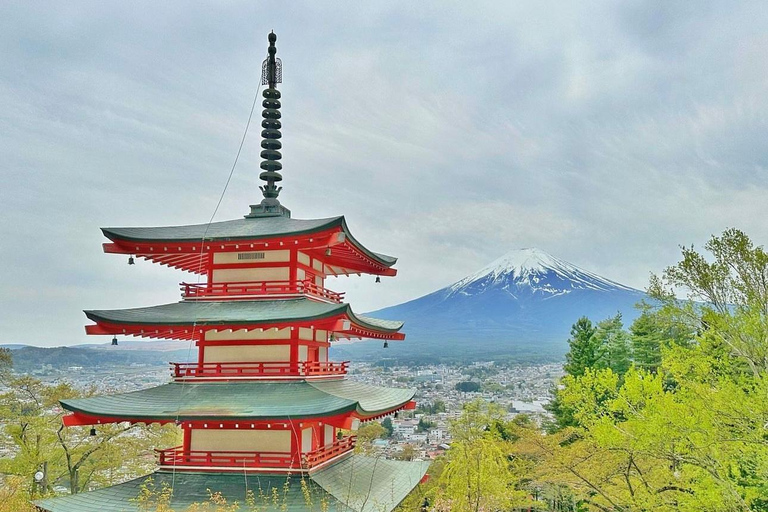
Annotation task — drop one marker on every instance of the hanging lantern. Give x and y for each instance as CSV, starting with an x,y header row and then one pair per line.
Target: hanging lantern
x,y
130,260
328,251
114,341
378,279
93,431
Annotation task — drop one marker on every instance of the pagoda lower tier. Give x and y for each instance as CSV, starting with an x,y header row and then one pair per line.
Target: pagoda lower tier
x,y
240,401
356,484
258,426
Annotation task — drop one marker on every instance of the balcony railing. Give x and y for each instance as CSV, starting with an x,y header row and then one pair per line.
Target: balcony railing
x,y
256,290
175,457
259,370
328,452
178,457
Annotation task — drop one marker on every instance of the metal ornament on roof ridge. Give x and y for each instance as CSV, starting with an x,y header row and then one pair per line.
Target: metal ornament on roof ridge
x,y
271,75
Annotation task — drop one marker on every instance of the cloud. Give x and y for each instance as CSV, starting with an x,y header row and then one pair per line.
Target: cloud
x,y
447,133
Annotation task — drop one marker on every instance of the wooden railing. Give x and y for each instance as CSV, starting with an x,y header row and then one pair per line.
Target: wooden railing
x,y
178,457
261,370
234,459
325,453
262,289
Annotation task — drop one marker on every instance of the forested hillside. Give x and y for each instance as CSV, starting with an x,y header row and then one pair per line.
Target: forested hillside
x,y
30,359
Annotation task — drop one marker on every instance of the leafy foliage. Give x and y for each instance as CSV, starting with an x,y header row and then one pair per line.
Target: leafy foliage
x,y
32,431
468,386
435,407
478,472
684,429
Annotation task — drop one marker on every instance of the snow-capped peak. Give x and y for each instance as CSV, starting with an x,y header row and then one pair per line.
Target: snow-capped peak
x,y
536,269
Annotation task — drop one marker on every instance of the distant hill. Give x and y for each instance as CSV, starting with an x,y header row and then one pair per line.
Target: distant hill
x,y
154,346
27,359
520,307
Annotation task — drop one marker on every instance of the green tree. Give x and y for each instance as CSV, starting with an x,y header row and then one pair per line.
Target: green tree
x,y
468,386
431,408
479,473
700,444
408,452
14,495
424,425
647,337
6,361
367,434
387,424
614,343
727,296
31,422
585,351
562,416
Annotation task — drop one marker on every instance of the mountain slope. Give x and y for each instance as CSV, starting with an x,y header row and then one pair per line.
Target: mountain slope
x,y
520,306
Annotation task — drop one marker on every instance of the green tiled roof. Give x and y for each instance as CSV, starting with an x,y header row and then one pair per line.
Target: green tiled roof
x,y
230,229
236,312
355,484
243,400
246,229
370,484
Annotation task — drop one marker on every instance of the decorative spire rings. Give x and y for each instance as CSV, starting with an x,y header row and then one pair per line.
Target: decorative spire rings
x,y
271,75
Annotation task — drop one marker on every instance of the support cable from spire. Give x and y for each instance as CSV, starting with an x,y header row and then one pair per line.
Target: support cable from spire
x,y
201,256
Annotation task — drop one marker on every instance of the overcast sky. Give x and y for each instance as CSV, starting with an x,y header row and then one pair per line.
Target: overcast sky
x,y
606,133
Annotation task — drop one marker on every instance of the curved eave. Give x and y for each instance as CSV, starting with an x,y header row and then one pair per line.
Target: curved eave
x,y
239,401
383,259
185,320
224,231
181,246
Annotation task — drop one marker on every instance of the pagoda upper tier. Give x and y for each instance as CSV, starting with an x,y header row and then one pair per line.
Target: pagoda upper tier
x,y
192,248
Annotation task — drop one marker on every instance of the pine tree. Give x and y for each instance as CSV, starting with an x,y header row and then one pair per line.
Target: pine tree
x,y
647,336
584,350
614,342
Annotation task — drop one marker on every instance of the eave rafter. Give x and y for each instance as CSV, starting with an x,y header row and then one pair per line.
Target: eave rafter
x,y
341,326
344,420
192,256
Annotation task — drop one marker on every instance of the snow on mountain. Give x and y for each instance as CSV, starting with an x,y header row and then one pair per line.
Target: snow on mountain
x,y
535,269
520,306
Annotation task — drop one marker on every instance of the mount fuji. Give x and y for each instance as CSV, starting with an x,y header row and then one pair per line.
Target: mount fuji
x,y
520,307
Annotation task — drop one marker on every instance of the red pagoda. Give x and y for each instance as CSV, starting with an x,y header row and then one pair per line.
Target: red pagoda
x,y
263,407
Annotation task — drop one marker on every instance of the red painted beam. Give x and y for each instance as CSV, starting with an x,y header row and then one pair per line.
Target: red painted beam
x,y
339,324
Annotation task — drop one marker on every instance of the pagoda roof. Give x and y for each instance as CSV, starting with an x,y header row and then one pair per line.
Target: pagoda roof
x,y
243,313
218,401
238,230
355,484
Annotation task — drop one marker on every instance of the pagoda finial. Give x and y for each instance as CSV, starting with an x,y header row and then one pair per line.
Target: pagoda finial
x,y
271,75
